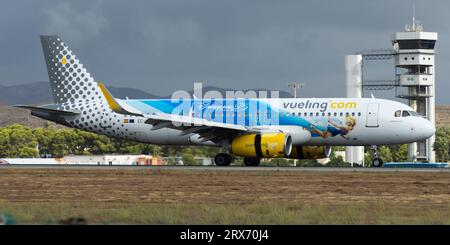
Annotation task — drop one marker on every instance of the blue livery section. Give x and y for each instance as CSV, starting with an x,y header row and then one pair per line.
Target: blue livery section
x,y
246,112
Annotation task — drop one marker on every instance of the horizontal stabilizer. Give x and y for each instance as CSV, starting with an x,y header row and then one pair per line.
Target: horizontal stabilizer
x,y
51,109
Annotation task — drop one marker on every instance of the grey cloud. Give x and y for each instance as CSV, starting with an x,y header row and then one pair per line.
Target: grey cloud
x,y
78,23
162,46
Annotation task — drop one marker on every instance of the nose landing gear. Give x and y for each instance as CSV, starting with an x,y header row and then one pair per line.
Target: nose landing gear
x,y
376,162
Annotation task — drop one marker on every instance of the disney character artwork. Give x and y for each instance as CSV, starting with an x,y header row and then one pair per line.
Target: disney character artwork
x,y
333,129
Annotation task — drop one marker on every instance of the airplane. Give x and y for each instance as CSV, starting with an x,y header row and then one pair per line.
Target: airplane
x,y
253,128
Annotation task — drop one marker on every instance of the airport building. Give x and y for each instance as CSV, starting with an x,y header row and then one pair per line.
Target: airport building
x,y
90,160
414,63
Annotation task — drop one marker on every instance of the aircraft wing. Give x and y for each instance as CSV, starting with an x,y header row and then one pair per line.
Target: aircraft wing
x,y
186,121
207,129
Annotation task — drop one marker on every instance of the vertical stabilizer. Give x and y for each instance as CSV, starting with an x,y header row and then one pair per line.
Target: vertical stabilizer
x,y
69,79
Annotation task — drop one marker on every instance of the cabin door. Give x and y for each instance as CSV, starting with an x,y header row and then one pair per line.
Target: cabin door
x,y
372,115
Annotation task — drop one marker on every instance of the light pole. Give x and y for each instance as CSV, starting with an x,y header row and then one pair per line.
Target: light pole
x,y
295,86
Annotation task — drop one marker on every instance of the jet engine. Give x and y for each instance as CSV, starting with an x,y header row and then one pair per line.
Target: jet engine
x,y
268,145
310,152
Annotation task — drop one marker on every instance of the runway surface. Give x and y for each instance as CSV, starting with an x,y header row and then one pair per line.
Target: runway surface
x,y
229,168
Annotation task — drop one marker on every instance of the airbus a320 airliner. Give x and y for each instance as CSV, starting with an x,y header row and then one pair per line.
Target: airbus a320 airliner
x,y
298,128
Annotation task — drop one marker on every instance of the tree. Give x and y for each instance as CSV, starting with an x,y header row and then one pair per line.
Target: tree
x,y
441,144
385,155
400,153
18,141
279,162
188,158
337,161
441,147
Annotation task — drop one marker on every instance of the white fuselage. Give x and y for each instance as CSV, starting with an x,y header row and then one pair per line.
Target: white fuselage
x,y
330,121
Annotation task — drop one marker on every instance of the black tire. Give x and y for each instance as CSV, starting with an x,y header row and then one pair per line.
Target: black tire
x,y
222,159
252,161
377,162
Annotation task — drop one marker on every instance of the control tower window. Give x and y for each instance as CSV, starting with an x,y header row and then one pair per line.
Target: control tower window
x,y
416,44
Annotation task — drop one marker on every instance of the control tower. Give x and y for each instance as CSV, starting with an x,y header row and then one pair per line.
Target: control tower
x,y
414,70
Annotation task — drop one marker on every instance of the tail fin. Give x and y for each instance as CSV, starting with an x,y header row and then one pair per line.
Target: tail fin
x,y
69,79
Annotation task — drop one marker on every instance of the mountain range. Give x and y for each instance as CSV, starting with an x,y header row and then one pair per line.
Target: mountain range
x,y
40,93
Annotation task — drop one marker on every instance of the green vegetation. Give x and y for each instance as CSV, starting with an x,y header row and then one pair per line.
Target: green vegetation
x,y
264,213
21,141
392,153
441,144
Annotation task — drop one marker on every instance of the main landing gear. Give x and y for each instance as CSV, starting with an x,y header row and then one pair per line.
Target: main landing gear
x,y
376,162
251,161
223,159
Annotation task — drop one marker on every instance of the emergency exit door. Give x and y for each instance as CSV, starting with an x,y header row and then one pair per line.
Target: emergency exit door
x,y
372,115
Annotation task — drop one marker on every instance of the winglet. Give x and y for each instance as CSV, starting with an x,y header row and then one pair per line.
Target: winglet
x,y
113,104
110,99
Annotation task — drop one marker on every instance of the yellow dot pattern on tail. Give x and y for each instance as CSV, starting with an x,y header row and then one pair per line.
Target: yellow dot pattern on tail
x,y
64,60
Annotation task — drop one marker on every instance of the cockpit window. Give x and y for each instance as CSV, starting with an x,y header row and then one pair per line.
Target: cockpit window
x,y
406,114
414,114
401,113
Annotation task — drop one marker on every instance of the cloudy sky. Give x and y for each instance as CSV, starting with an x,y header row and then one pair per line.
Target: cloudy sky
x,y
162,46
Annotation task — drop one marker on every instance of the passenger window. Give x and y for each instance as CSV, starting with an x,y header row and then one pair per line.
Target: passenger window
x,y
317,114
405,114
305,114
397,113
335,114
341,114
359,114
311,114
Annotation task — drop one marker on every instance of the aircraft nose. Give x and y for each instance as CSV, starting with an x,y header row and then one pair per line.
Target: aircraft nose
x,y
427,128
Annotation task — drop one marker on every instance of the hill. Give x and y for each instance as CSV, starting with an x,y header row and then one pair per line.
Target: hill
x,y
10,115
442,114
40,93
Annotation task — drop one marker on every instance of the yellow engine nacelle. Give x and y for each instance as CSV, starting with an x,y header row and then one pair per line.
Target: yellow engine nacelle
x,y
310,152
268,145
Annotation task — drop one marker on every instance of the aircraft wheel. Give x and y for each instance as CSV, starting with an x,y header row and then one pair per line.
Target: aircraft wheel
x,y
223,159
377,162
251,161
